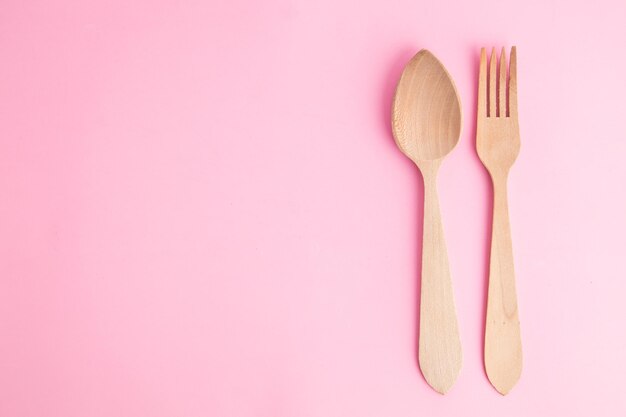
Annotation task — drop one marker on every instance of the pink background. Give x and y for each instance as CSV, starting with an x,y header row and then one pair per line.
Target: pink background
x,y
203,212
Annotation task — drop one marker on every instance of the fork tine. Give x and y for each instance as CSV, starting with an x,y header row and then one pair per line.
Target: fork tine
x,y
502,85
492,83
513,84
482,84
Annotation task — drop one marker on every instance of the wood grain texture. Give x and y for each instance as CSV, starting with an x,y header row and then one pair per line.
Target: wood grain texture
x,y
498,143
426,126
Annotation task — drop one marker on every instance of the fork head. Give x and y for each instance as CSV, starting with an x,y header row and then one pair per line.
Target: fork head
x,y
497,127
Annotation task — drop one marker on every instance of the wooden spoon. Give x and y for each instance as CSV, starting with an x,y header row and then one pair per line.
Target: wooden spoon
x,y
426,127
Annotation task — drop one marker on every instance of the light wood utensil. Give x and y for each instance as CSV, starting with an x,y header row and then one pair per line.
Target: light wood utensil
x,y
426,127
498,143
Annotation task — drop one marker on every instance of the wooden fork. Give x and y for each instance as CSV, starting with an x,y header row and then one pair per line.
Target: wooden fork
x,y
498,143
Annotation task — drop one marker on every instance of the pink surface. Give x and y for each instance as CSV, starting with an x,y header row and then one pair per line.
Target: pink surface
x,y
203,212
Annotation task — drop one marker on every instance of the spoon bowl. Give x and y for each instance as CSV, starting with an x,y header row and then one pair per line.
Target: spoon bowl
x,y
426,110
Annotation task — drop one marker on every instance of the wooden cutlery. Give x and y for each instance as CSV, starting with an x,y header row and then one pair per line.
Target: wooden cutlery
x,y
426,127
498,143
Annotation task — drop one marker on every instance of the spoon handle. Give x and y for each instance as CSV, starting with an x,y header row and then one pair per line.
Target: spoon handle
x,y
503,344
440,354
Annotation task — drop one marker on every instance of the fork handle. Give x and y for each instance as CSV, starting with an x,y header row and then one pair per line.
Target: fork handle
x,y
503,346
440,354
